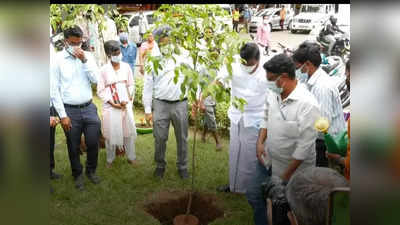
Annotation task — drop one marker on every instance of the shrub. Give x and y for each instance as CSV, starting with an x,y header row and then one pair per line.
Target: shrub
x,y
137,102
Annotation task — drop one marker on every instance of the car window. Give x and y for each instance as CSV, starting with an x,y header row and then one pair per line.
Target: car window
x,y
134,21
228,10
277,13
150,18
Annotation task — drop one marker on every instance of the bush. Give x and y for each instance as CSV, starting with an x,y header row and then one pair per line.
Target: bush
x,y
137,102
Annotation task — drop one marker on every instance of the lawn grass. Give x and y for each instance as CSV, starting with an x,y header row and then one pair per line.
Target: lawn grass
x,y
119,199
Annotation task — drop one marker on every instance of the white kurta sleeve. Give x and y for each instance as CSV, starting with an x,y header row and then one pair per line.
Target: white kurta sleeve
x,y
148,92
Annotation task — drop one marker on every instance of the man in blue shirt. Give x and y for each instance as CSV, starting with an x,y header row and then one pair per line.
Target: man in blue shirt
x,y
128,51
247,17
71,76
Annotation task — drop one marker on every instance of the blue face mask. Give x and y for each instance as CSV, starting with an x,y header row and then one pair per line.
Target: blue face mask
x,y
300,76
273,87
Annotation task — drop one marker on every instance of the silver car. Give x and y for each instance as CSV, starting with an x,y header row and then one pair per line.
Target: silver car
x,y
274,18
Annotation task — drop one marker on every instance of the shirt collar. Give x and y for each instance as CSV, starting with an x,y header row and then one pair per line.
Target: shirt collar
x,y
296,94
313,79
67,54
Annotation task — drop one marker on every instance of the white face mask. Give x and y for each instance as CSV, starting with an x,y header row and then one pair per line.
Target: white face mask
x,y
265,21
273,87
125,45
248,69
71,49
116,58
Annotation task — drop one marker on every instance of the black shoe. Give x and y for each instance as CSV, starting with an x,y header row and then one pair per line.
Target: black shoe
x,y
183,174
93,178
54,176
224,188
79,183
159,172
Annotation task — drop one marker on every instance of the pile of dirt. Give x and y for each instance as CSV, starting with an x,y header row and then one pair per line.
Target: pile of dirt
x,y
167,205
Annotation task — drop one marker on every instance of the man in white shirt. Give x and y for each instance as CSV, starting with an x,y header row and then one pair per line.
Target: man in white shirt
x,y
161,92
286,141
249,83
307,59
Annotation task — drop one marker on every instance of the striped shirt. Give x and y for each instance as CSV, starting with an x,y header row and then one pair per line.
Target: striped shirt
x,y
327,95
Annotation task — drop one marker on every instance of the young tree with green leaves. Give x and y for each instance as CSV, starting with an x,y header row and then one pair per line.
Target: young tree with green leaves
x,y
189,24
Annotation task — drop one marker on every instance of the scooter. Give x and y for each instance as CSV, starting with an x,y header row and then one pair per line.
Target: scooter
x,y
341,47
336,68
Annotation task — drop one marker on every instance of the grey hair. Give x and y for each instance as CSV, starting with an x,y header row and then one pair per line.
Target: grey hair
x,y
308,192
161,32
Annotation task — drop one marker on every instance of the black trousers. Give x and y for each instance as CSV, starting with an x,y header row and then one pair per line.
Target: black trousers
x,y
235,26
84,120
321,160
53,112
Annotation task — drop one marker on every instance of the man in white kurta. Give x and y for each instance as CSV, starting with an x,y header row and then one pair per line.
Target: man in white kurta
x,y
249,83
286,142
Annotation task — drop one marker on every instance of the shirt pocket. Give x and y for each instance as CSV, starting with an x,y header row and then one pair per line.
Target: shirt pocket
x,y
290,129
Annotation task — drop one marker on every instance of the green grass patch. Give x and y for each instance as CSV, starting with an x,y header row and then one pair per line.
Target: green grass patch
x,y
124,190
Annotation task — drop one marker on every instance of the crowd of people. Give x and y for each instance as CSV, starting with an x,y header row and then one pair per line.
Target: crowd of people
x,y
275,135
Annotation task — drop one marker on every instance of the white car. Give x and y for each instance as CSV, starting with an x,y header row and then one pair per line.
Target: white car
x,y
133,24
310,17
274,18
227,20
257,19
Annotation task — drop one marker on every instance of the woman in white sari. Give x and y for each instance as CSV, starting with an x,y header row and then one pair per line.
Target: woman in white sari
x,y
116,88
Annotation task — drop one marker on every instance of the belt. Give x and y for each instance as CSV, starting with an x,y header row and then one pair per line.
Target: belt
x,y
170,102
79,106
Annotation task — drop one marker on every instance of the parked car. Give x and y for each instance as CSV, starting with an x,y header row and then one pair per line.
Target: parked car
x,y
133,24
310,17
274,18
227,20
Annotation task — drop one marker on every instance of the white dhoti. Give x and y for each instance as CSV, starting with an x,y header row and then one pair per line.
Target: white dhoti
x,y
242,156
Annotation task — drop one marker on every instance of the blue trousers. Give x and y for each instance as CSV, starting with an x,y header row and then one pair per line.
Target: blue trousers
x,y
84,120
254,194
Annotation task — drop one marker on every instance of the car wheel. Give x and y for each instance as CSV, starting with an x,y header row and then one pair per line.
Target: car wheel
x,y
289,26
293,31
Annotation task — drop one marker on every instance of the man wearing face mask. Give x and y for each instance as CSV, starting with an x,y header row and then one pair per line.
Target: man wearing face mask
x,y
249,83
71,76
286,140
161,94
264,34
308,59
128,50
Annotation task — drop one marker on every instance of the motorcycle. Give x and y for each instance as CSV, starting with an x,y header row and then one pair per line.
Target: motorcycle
x,y
341,47
335,67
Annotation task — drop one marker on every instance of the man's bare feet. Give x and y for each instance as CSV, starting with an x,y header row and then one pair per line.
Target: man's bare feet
x,y
203,138
219,147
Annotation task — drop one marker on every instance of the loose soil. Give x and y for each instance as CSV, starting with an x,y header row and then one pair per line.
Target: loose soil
x,y
139,125
166,205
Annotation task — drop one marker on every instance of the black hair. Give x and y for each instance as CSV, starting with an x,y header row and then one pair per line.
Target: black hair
x,y
281,64
111,46
348,65
74,31
250,51
308,51
264,16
